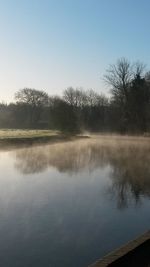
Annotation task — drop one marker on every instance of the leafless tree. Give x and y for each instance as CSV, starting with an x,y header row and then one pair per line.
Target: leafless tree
x,y
119,77
34,101
32,97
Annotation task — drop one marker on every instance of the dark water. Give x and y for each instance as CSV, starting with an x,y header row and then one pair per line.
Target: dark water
x,y
67,204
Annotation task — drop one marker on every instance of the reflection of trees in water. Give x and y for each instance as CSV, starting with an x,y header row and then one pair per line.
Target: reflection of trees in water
x,y
30,161
130,162
131,174
71,157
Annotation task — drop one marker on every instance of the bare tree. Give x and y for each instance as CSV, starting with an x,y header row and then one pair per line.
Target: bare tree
x,y
33,97
119,77
34,101
69,96
92,97
139,69
75,97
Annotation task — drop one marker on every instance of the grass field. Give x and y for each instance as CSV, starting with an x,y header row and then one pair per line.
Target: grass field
x,y
20,134
12,137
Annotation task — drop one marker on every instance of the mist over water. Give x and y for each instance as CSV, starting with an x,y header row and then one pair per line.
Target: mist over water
x,y
68,204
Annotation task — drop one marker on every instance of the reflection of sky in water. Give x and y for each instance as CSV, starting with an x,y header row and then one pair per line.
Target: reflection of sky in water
x,y
69,204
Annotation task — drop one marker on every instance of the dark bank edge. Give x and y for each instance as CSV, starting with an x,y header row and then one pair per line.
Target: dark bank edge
x,y
111,258
12,141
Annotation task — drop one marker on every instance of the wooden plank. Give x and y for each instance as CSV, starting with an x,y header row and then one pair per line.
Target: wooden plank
x,y
122,251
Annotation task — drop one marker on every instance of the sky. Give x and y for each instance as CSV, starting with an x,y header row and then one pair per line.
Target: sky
x,y
53,44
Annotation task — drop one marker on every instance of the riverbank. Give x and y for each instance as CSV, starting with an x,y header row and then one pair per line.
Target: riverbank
x,y
135,253
13,137
9,137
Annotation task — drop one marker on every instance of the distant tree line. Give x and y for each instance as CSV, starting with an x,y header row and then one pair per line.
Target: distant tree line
x,y
127,110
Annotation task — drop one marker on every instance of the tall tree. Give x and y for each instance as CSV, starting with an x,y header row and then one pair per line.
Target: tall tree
x,y
139,104
34,101
63,116
119,77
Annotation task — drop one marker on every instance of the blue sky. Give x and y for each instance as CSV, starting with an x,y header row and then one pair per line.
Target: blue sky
x,y
53,44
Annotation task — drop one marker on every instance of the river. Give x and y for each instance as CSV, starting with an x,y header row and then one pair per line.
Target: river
x,y
68,204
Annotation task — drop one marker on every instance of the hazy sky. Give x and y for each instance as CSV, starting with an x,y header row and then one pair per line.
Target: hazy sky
x,y
53,44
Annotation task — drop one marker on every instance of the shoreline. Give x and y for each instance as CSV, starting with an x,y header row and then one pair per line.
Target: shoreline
x,y
132,253
17,137
10,142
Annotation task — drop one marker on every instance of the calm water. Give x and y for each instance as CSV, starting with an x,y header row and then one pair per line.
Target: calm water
x,y
67,204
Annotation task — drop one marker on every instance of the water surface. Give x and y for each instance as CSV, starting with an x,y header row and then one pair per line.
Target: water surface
x,y
68,204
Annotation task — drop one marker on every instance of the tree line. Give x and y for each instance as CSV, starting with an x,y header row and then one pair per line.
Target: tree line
x,y
127,110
